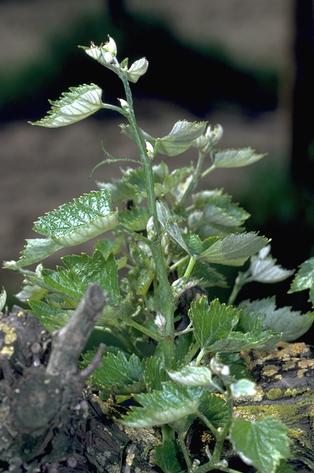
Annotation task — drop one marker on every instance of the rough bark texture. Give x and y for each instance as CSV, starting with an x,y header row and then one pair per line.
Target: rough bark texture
x,y
49,423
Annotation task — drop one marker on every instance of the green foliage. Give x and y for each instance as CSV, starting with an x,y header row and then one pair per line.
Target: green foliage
x,y
117,373
212,323
176,356
304,279
79,103
261,443
235,158
263,313
166,406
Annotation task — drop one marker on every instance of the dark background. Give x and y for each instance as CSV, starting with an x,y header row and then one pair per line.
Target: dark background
x,y
247,65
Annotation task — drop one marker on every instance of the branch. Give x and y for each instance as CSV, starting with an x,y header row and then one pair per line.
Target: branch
x,y
69,342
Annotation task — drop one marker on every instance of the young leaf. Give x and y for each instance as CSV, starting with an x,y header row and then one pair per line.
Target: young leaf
x,y
262,443
3,299
215,409
52,317
242,388
154,372
78,221
234,249
73,106
117,373
163,407
137,69
234,158
263,268
193,376
166,457
291,324
304,279
179,139
167,220
104,53
35,250
238,341
208,276
212,323
134,220
217,209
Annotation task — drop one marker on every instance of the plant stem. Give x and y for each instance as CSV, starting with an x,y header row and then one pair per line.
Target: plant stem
x,y
208,170
185,452
200,356
190,267
166,296
145,330
241,279
221,437
208,424
211,466
195,178
177,263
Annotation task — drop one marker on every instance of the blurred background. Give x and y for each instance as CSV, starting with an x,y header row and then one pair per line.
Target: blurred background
x,y
246,65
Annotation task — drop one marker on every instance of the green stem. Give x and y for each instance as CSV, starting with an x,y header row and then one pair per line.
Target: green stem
x,y
208,170
220,439
179,262
195,178
210,466
185,452
241,279
200,356
166,296
145,330
208,424
190,267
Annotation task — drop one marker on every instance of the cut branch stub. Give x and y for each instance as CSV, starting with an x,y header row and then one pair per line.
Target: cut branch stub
x,y
69,342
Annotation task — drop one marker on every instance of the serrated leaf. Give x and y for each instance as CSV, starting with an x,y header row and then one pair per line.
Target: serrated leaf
x,y
290,324
193,376
215,409
179,139
263,268
234,249
117,373
166,457
155,372
238,341
236,364
168,222
78,271
73,106
208,276
262,443
135,219
33,292
78,221
218,209
52,317
137,69
304,279
163,407
36,250
234,158
212,323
